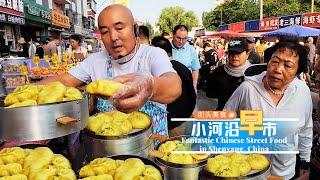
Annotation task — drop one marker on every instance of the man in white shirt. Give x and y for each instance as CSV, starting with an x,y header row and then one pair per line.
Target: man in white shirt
x,y
128,62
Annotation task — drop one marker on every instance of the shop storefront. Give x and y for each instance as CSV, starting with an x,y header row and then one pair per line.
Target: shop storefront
x,y
38,19
11,18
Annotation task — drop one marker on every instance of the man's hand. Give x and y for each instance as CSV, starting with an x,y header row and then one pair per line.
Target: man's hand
x,y
138,90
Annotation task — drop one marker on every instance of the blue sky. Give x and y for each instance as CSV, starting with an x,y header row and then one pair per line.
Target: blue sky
x,y
149,10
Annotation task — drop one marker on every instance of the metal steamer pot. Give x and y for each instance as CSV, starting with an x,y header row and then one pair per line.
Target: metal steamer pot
x,y
175,171
144,160
135,143
254,175
41,122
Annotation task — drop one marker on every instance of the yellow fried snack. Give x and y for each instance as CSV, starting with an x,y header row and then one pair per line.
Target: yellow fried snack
x,y
238,157
181,158
167,147
123,124
139,120
23,93
98,166
95,122
10,169
152,172
109,129
119,162
214,164
12,155
200,157
131,168
60,162
117,115
41,174
65,174
51,93
99,177
243,166
228,170
40,158
24,103
103,87
15,177
72,94
258,161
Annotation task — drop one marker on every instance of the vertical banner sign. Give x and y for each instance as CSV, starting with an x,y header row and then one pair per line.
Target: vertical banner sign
x,y
311,19
285,21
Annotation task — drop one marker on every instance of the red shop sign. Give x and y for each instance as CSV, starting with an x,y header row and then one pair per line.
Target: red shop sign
x,y
13,7
268,24
311,19
236,27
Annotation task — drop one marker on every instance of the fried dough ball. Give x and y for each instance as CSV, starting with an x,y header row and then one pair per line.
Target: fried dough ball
x,y
152,172
24,103
119,162
243,166
238,157
10,169
108,129
131,168
15,177
215,163
51,93
22,93
40,158
117,115
41,174
72,94
200,157
181,158
60,162
123,125
167,147
258,161
227,170
95,122
103,87
99,177
98,166
12,155
65,174
139,120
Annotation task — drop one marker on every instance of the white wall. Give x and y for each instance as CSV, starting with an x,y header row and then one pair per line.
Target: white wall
x,y
85,8
50,4
79,6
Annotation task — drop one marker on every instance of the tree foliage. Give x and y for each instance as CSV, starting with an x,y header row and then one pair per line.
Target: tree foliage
x,y
172,16
242,10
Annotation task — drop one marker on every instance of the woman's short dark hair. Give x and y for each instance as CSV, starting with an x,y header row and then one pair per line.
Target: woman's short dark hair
x,y
76,38
292,44
162,43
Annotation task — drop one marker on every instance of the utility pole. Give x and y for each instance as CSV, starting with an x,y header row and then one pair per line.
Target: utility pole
x,y
221,16
312,5
261,9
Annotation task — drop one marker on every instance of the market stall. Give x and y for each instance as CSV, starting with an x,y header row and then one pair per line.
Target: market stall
x,y
47,132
